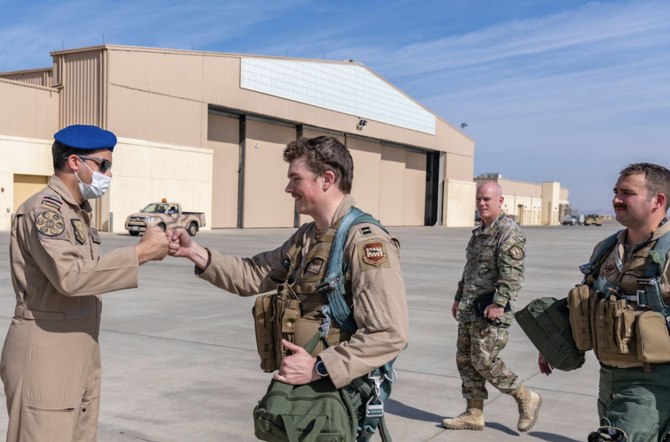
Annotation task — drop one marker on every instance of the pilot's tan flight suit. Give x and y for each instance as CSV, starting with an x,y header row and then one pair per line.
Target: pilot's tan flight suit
x,y
50,363
374,281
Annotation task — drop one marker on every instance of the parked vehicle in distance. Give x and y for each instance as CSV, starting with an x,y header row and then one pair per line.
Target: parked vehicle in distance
x,y
593,220
166,216
569,220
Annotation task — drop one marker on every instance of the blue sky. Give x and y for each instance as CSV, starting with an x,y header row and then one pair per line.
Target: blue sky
x,y
551,90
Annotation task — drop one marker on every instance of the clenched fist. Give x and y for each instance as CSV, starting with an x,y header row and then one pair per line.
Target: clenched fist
x,y
153,246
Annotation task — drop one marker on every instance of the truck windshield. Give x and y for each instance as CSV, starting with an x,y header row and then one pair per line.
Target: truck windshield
x,y
155,208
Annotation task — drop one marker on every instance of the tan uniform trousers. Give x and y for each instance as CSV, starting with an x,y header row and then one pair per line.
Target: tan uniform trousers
x,y
51,372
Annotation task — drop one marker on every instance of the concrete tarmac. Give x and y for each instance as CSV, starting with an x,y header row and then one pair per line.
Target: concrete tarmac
x,y
180,363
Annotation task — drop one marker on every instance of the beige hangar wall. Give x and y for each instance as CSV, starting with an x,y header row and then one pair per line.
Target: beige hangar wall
x,y
21,156
147,172
459,191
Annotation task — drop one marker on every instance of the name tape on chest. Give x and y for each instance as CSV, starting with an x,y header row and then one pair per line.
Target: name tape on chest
x,y
50,224
609,267
314,267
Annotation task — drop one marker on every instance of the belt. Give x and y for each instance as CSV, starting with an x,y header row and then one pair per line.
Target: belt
x,y
24,313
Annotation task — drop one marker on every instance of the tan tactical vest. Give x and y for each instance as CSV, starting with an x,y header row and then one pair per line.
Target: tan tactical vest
x,y
295,313
621,339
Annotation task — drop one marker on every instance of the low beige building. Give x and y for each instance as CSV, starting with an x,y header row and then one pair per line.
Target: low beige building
x,y
208,129
531,204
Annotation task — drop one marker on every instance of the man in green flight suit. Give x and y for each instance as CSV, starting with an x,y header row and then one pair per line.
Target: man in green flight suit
x,y
634,394
484,309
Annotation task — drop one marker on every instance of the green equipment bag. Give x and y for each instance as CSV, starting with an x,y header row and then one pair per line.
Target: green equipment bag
x,y
546,322
314,412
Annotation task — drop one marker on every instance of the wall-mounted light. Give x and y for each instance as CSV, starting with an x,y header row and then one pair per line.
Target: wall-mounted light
x,y
361,124
463,126
257,146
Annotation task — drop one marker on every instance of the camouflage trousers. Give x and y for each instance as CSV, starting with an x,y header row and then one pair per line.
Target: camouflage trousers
x,y
478,346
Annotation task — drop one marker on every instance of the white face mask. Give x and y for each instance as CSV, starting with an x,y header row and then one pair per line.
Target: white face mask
x,y
97,188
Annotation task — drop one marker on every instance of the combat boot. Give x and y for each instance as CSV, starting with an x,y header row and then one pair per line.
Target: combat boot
x,y
472,419
529,407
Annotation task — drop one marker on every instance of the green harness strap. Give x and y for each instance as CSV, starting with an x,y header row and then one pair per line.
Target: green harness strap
x,y
374,389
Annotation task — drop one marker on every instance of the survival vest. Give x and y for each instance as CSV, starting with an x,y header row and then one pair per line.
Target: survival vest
x,y
315,306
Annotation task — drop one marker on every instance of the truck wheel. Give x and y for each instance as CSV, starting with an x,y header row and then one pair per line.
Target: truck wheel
x,y
192,229
162,226
133,233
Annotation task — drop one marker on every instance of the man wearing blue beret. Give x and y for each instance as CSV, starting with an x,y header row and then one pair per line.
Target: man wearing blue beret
x,y
50,362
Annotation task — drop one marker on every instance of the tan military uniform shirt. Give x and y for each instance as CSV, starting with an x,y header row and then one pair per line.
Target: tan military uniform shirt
x,y
55,256
379,303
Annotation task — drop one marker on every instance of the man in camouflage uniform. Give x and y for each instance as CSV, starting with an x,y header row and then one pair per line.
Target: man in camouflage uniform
x,y
484,309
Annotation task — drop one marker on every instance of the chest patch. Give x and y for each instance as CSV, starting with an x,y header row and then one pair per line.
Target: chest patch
x,y
609,267
79,233
95,236
516,253
314,267
50,224
374,254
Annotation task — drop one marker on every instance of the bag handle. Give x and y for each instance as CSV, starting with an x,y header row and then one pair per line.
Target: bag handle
x,y
292,434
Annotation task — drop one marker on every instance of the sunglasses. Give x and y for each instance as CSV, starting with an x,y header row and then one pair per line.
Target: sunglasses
x,y
103,164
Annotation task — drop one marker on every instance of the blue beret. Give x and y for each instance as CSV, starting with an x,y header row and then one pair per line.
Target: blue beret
x,y
86,137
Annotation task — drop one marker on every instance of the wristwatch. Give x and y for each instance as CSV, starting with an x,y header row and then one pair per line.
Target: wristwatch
x,y
320,368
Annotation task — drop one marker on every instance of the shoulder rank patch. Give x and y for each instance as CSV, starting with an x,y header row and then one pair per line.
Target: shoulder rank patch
x,y
79,233
516,252
366,230
95,236
53,200
50,224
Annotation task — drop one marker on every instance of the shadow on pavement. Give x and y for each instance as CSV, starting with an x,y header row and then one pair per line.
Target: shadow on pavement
x,y
501,427
399,409
551,437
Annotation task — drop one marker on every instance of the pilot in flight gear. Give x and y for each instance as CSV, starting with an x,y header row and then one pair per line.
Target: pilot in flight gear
x,y
50,362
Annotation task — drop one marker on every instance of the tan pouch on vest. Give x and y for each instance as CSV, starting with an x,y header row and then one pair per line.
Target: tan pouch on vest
x,y
653,341
579,299
263,312
616,343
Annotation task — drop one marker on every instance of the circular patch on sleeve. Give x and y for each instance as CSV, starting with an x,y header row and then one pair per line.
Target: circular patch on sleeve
x,y
50,223
516,252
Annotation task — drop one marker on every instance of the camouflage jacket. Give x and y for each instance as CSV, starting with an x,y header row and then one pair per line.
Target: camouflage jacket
x,y
495,257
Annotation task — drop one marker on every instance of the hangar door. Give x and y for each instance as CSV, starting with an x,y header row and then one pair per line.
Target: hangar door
x,y
265,202
26,186
367,156
223,137
402,193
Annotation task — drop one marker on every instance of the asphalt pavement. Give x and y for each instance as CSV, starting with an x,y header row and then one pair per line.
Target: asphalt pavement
x,y
180,362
